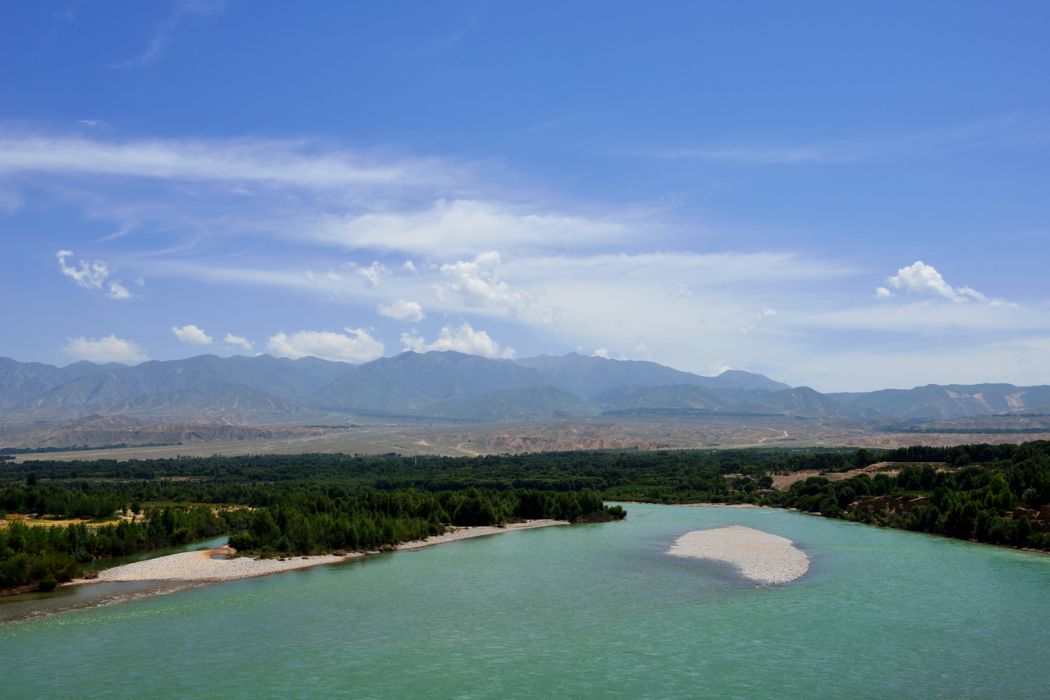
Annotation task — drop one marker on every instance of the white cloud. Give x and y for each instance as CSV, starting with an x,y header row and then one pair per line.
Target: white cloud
x,y
410,266
238,341
373,272
462,226
882,293
107,349
268,162
402,310
476,283
89,274
602,352
769,313
92,274
355,346
118,291
463,339
191,334
920,278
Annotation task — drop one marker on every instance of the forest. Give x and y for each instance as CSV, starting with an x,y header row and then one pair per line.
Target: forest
x,y
302,504
268,514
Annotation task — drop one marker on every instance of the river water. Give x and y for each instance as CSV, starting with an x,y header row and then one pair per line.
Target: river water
x,y
583,611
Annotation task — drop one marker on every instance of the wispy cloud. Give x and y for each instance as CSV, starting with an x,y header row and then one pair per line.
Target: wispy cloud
x,y
287,163
164,31
463,226
338,226
1002,130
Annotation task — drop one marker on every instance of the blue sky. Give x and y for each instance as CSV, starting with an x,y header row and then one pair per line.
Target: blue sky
x,y
843,195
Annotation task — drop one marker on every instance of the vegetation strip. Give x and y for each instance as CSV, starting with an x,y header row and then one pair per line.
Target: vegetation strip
x,y
284,505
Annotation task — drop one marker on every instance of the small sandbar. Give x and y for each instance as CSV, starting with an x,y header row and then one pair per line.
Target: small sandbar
x,y
203,566
466,533
758,556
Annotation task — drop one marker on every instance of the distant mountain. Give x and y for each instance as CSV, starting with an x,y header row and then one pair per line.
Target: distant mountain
x,y
454,386
262,388
951,401
800,401
672,397
512,404
409,382
743,381
21,381
590,376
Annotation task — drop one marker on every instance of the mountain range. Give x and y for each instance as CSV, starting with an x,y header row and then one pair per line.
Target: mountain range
x,y
453,386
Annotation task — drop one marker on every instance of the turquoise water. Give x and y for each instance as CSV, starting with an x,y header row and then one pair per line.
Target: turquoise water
x,y
75,597
586,611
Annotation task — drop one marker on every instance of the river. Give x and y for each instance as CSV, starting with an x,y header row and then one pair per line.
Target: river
x,y
584,611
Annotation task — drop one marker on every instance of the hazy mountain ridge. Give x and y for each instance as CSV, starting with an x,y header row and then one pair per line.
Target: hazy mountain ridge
x,y
455,386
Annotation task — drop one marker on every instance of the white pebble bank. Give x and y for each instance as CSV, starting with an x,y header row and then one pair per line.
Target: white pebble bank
x,y
757,555
200,566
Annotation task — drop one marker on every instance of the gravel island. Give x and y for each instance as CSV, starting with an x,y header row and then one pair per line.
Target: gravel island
x,y
758,556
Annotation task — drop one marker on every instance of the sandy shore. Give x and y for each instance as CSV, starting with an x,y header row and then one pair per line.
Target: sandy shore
x,y
720,505
466,533
202,566
758,556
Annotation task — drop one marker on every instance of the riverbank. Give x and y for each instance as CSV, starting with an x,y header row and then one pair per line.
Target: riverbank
x,y
221,564
756,555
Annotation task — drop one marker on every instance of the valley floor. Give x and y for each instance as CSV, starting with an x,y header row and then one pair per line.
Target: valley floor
x,y
711,432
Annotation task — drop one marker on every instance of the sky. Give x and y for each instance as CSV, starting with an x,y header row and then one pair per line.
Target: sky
x,y
848,196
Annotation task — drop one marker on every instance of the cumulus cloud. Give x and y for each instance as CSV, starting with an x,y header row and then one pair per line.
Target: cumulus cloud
x,y
91,274
602,353
402,310
463,339
882,293
476,283
920,278
356,345
238,341
409,265
107,349
191,334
